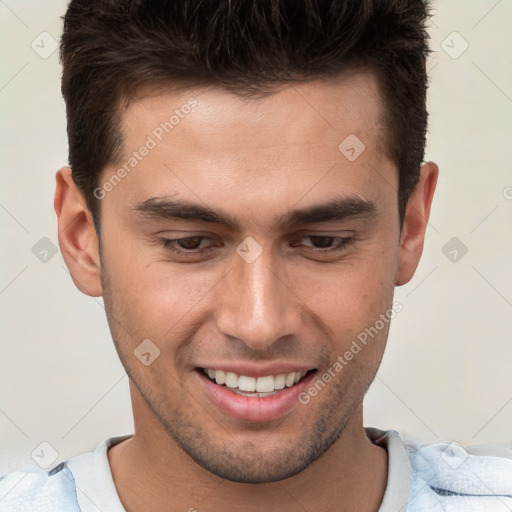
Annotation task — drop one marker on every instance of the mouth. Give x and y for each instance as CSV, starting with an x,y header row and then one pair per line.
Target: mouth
x,y
260,387
254,398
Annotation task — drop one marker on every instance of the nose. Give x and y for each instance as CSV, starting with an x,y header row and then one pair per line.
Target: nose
x,y
258,304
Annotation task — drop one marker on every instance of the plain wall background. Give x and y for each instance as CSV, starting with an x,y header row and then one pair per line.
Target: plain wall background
x,y
446,373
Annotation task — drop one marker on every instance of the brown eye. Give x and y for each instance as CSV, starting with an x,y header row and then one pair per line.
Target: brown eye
x,y
189,243
323,241
326,244
188,247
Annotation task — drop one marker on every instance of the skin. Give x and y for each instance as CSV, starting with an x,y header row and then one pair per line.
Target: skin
x,y
254,158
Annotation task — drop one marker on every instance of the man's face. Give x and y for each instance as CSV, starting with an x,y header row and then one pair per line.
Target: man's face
x,y
262,299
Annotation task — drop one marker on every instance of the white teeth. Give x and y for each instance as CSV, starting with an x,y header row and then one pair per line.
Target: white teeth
x,y
246,383
231,380
290,380
220,377
252,395
264,386
280,381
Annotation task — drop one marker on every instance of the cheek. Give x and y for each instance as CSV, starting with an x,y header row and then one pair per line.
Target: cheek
x,y
351,294
155,299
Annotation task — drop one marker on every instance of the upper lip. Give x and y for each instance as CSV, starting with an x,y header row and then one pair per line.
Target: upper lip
x,y
255,370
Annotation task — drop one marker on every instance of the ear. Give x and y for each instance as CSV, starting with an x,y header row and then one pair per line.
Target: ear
x,y
415,223
77,236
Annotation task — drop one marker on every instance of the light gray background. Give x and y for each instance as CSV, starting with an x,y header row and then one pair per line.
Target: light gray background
x,y
446,372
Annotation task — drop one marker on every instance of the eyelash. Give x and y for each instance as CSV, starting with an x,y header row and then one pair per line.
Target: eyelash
x,y
170,244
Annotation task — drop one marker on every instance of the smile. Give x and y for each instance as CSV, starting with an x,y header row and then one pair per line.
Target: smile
x,y
254,386
251,398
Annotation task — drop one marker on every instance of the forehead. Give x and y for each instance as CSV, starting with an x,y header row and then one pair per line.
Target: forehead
x,y
212,145
302,113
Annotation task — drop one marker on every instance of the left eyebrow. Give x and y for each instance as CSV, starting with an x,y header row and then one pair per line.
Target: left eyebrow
x,y
337,209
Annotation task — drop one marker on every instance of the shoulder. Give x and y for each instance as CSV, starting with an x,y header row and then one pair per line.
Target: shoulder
x,y
456,477
45,491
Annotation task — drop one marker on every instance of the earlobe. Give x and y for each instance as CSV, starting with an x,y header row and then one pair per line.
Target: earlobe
x,y
415,223
77,235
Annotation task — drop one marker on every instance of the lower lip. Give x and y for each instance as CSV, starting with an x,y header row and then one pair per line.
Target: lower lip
x,y
253,408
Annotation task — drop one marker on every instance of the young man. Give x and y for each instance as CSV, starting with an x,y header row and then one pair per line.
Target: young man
x,y
246,189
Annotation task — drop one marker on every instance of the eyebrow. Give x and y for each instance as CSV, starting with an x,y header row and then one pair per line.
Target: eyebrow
x,y
336,209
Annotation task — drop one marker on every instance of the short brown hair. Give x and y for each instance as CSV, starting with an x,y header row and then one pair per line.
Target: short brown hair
x,y
110,48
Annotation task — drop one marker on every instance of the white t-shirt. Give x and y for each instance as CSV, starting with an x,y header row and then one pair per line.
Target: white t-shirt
x,y
439,477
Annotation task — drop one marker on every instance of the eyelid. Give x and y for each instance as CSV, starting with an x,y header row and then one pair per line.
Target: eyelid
x,y
299,235
171,245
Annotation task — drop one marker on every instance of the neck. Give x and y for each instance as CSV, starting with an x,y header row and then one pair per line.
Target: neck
x,y
152,472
